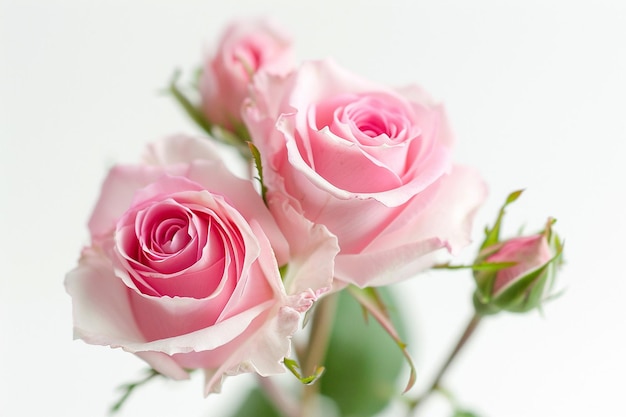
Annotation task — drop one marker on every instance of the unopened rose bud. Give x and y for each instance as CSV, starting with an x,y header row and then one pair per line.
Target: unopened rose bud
x,y
516,274
245,48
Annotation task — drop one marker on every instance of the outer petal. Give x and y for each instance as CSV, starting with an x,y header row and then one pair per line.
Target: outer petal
x,y
419,95
409,243
268,99
265,350
243,197
163,364
312,251
387,266
117,194
102,313
450,213
180,149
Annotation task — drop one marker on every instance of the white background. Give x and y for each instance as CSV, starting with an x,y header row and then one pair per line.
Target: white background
x,y
536,93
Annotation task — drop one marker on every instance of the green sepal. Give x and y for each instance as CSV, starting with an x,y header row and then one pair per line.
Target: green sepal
x,y
241,131
195,79
237,138
485,281
294,368
483,308
492,266
524,293
485,274
187,105
492,236
256,156
482,266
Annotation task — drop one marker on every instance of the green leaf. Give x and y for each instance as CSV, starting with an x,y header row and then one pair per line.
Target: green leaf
x,y
294,368
257,405
362,362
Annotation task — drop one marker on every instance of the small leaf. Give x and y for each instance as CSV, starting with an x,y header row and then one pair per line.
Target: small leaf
x,y
513,196
294,368
492,236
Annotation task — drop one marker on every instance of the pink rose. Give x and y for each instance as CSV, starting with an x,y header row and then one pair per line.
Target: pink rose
x,y
527,252
183,268
370,163
521,270
515,274
245,48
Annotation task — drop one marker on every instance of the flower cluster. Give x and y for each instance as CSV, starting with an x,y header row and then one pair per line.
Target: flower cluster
x,y
352,185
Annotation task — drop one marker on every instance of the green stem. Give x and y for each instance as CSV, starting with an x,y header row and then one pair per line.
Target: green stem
x,y
436,384
319,338
129,388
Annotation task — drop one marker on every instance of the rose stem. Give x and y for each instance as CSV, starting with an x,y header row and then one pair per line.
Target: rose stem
x,y
321,326
435,385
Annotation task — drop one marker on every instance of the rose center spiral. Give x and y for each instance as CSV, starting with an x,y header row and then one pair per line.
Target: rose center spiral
x,y
170,236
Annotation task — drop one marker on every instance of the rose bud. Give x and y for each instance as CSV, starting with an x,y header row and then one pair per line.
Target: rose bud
x,y
516,274
245,48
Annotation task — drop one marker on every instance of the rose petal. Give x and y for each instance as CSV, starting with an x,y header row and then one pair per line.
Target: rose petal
x,y
311,266
164,364
386,266
180,149
116,196
241,195
100,306
448,215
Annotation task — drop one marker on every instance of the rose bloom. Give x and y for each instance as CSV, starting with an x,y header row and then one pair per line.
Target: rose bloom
x,y
529,253
245,48
182,269
370,163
